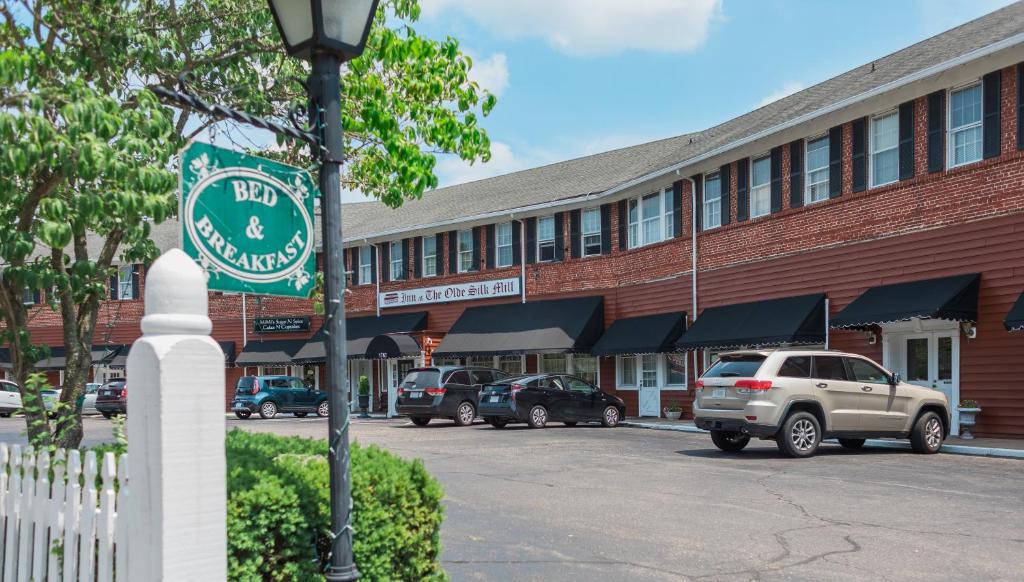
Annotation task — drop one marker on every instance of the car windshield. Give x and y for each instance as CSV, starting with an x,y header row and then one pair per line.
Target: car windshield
x,y
735,365
422,378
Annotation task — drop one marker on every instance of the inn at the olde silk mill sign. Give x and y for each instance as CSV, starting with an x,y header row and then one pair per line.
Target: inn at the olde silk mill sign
x,y
446,293
248,221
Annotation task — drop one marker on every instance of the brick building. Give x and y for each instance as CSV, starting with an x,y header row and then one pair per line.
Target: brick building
x,y
879,212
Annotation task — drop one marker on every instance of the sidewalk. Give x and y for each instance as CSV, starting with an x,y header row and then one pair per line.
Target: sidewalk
x,y
982,447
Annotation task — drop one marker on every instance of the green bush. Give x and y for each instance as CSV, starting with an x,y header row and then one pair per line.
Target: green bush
x,y
279,512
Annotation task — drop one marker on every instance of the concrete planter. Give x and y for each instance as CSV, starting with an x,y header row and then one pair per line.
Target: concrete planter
x,y
968,418
673,414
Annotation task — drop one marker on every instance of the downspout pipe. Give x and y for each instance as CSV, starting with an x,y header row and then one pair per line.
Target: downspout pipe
x,y
693,262
826,323
376,280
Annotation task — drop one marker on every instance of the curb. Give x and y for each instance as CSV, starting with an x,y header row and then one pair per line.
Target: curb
x,y
878,443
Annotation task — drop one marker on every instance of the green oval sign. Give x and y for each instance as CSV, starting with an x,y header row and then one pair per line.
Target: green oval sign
x,y
248,220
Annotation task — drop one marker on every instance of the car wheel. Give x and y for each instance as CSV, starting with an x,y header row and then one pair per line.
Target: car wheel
x,y
420,420
800,435
268,410
323,409
300,414
538,417
927,434
240,414
852,444
729,441
5,414
498,422
569,423
107,415
465,414
610,417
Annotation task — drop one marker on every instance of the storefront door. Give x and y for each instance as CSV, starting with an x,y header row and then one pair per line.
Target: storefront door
x,y
930,359
650,389
357,368
397,369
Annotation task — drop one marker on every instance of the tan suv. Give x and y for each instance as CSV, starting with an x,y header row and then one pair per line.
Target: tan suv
x,y
799,397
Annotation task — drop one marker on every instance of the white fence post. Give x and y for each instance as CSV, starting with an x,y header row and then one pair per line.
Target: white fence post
x,y
177,510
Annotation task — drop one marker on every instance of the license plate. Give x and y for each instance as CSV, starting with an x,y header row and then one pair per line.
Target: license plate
x,y
718,393
494,398
415,394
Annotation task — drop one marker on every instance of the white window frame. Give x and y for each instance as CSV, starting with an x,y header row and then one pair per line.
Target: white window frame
x,y
28,296
584,233
125,284
366,266
395,249
950,157
871,148
499,245
766,187
465,256
707,204
522,363
424,256
597,367
635,232
541,242
661,369
807,169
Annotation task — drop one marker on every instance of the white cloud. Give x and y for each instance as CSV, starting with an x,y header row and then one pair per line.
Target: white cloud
x,y
786,90
589,27
491,73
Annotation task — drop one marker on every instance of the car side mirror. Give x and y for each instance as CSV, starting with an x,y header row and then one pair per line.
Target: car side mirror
x,y
895,378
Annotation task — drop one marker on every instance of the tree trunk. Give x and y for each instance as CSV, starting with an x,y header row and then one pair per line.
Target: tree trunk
x,y
16,319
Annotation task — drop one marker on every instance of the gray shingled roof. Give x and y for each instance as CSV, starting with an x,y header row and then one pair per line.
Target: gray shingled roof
x,y
602,172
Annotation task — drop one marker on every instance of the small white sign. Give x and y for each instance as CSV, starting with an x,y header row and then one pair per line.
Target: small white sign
x,y
446,293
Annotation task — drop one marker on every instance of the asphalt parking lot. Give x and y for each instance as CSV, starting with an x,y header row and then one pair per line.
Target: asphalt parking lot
x,y
588,503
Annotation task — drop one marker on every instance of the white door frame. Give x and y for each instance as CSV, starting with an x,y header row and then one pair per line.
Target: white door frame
x,y
894,338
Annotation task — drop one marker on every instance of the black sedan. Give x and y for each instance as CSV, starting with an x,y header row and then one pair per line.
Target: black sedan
x,y
540,398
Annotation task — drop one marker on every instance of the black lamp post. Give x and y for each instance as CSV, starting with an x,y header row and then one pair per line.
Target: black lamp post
x,y
328,33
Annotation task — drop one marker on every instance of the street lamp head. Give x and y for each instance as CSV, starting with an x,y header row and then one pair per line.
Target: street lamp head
x,y
338,27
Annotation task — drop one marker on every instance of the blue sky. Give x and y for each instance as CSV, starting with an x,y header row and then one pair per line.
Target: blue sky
x,y
576,77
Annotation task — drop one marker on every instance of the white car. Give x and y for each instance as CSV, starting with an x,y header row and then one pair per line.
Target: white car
x,y
89,404
10,398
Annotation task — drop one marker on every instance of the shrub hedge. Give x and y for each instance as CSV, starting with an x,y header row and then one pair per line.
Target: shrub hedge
x,y
279,512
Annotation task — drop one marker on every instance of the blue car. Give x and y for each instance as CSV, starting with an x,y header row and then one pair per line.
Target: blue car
x,y
268,395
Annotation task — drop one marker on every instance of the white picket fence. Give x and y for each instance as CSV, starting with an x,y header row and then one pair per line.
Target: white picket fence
x,y
55,524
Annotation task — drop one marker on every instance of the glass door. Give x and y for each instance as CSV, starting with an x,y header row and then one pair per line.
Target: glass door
x,y
931,360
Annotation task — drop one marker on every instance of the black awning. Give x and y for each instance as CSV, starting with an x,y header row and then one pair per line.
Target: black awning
x,y
360,331
951,298
1015,318
229,352
649,334
392,345
268,353
536,327
773,322
101,355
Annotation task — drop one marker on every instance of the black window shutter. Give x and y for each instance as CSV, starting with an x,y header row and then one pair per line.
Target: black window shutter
x,y
405,258
517,242
453,251
438,253
796,174
477,231
937,131
743,190
113,286
575,232
776,167
531,240
491,245
559,235
698,184
835,162
677,208
907,140
373,264
385,262
417,259
355,266
37,297
859,160
1020,106
623,225
606,229
991,104
725,173
135,282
